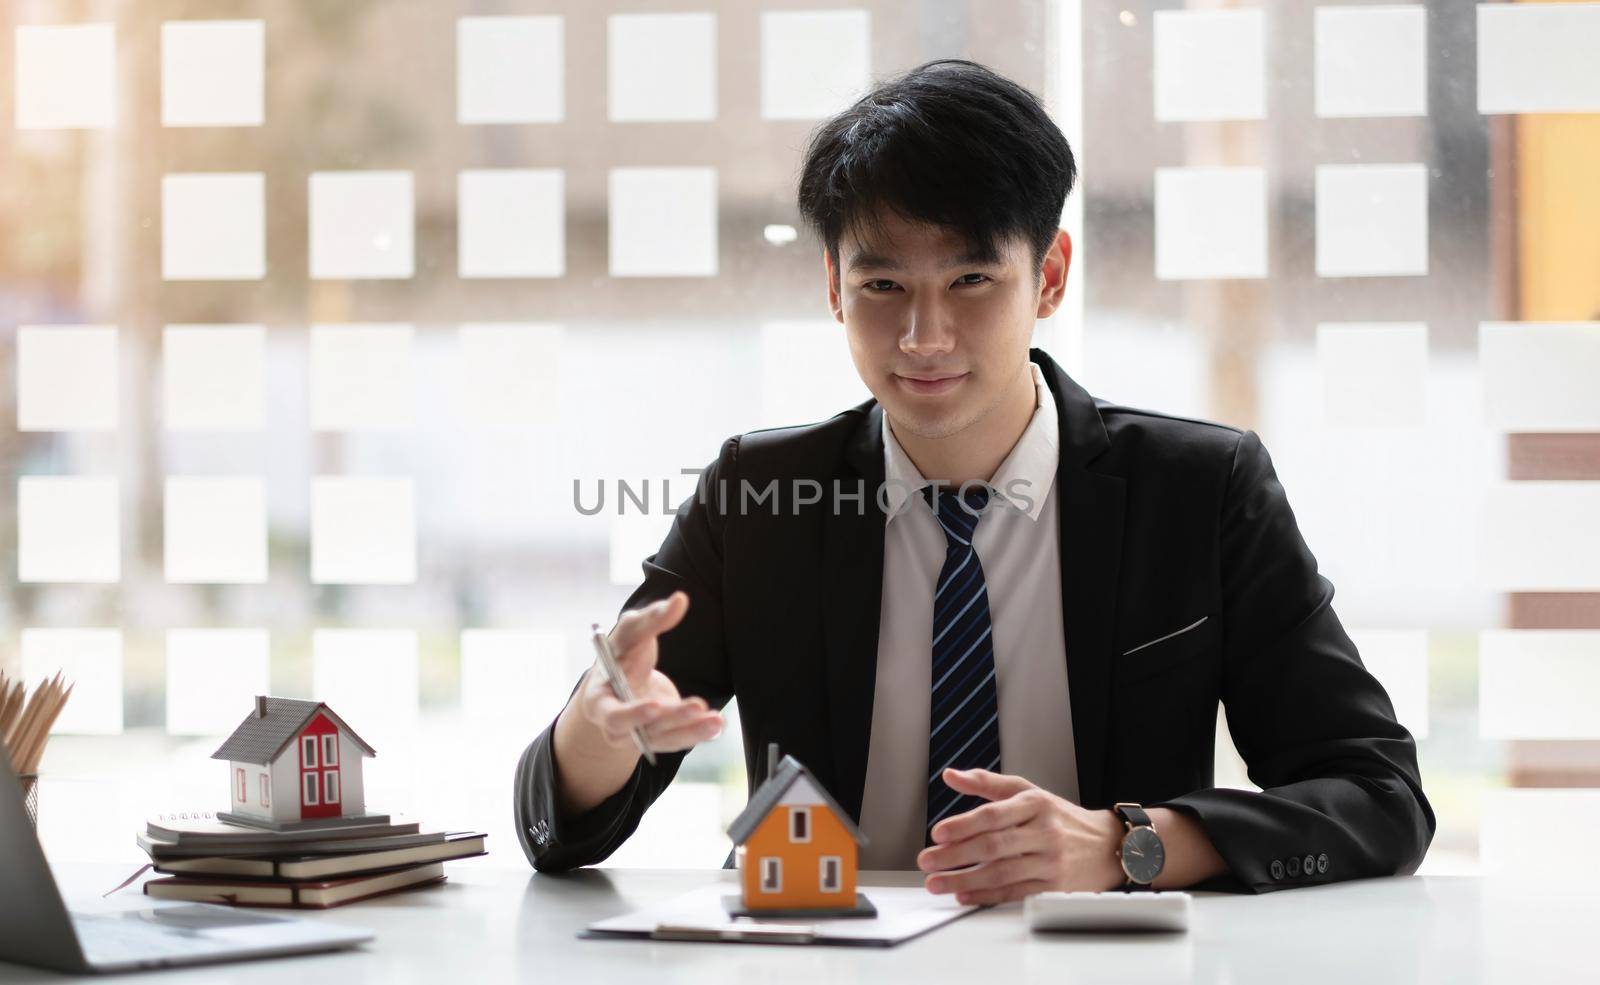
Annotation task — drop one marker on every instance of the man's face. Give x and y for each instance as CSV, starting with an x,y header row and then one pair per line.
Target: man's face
x,y
938,334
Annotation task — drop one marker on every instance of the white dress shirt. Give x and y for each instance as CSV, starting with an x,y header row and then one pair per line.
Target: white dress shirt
x,y
1018,543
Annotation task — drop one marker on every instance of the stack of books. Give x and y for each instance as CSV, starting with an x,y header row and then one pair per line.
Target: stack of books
x,y
307,865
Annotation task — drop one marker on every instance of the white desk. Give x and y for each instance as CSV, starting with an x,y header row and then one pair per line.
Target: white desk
x,y
496,924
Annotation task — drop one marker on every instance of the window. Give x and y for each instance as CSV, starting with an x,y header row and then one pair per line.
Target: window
x,y
830,869
771,875
799,824
266,790
308,795
308,750
240,794
330,750
330,787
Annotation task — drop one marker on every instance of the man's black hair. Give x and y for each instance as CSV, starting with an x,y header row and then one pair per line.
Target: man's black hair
x,y
949,143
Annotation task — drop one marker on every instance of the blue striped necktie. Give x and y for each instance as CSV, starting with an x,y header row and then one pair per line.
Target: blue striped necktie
x,y
964,712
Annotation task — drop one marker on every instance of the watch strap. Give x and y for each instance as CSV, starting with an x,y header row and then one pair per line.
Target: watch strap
x,y
1133,815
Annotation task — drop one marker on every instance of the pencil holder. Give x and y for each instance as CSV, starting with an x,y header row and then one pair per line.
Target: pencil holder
x,y
30,797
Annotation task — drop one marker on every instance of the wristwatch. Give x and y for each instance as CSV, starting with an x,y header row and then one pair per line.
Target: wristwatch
x,y
1141,853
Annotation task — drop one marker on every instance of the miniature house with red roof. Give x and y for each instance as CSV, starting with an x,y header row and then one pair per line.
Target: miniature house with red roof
x,y
292,761
796,848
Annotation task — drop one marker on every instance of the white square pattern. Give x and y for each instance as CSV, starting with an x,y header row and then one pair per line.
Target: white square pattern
x,y
213,676
68,529
213,377
213,73
92,660
1374,374
663,67
1211,222
65,76
512,223
216,529
361,225
213,227
663,222
1372,220
1372,61
363,531
361,377
509,70
814,63
66,378
510,374
1210,65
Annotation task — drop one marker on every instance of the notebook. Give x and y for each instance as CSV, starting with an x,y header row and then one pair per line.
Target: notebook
x,y
300,895
457,845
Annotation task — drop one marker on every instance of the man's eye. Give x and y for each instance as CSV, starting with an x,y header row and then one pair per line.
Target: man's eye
x,y
879,285
972,278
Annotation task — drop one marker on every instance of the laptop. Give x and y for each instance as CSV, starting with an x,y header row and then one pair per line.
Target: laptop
x,y
37,928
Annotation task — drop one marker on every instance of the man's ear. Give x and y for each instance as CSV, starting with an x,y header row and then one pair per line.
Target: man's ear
x,y
830,272
1053,274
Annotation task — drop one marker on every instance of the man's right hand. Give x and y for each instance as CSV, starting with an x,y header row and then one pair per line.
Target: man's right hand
x,y
593,738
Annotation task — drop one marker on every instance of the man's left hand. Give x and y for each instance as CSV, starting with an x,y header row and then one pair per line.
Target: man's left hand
x,y
1027,840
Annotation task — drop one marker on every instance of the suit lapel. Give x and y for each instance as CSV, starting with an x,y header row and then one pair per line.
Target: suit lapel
x,y
852,593
1091,507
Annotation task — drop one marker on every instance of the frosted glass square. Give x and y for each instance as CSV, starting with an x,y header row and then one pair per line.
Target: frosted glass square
x,y
65,76
88,659
806,372
363,531
509,70
510,374
1538,58
814,63
663,222
362,377
213,227
1505,849
1210,65
636,536
1372,220
213,377
361,225
1541,536
213,676
514,680
662,67
216,529
67,378
213,73
1374,374
1398,658
68,529
369,676
1540,376
1210,222
512,223
1372,61
1539,684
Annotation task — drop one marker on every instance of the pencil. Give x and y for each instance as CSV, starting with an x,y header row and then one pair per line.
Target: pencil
x,y
25,724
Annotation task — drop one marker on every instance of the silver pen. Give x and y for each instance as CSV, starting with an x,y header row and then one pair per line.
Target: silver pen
x,y
619,686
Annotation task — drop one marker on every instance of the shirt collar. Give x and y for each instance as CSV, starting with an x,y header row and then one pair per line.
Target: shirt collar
x,y
1022,481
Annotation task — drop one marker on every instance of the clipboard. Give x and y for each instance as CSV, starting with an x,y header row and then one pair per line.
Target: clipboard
x,y
904,913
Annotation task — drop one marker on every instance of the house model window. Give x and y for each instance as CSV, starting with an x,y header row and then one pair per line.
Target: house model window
x,y
799,824
772,875
828,876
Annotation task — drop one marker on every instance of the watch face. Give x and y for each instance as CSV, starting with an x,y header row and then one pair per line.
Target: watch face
x,y
1142,855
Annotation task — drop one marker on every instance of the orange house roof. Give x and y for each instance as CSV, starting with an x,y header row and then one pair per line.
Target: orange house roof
x,y
769,793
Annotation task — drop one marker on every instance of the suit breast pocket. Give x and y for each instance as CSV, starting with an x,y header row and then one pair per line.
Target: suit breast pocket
x,y
1185,646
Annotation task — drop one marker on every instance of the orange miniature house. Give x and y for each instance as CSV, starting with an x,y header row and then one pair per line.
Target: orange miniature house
x,y
796,846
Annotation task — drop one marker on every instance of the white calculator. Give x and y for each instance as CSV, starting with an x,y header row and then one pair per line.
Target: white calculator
x,y
1113,911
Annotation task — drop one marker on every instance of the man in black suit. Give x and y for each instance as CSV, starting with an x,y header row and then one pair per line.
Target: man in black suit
x,y
992,614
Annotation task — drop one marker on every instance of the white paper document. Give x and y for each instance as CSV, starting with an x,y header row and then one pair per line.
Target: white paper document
x,y
904,912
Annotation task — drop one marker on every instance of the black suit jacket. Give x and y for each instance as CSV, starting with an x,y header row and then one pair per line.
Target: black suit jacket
x,y
1163,520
